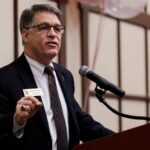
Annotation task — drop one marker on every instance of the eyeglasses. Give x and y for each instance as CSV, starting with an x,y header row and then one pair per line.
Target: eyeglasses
x,y
45,28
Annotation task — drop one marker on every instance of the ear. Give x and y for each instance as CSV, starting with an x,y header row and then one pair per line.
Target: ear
x,y
25,35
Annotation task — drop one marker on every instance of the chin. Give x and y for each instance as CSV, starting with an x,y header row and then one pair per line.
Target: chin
x,y
53,51
52,54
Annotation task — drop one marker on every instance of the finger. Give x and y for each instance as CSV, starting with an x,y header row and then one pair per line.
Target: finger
x,y
34,100
25,108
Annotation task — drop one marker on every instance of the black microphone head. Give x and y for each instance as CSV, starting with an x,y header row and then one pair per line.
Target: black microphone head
x,y
83,70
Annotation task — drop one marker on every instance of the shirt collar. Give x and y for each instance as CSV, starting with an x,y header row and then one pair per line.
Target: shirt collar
x,y
36,67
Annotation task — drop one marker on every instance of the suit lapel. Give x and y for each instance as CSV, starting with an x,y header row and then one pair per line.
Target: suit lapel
x,y
73,126
27,79
62,80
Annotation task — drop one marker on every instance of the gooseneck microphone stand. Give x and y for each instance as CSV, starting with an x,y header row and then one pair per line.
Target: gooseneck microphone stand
x,y
100,94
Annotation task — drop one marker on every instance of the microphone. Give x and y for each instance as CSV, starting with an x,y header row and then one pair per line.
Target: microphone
x,y
100,81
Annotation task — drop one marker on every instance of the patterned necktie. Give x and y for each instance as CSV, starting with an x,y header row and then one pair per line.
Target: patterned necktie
x,y
57,111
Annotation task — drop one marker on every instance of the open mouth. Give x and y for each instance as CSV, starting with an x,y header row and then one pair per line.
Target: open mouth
x,y
52,44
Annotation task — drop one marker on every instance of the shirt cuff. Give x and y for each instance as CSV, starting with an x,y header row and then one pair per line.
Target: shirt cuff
x,y
17,129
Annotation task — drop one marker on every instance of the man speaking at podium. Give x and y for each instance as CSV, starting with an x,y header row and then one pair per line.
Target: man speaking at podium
x,y
38,110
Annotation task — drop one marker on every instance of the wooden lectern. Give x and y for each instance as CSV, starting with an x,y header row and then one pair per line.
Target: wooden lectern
x,y
133,139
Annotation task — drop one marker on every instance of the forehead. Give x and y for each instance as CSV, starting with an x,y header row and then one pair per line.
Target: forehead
x,y
48,17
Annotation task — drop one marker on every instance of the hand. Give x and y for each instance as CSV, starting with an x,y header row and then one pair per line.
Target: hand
x,y
26,107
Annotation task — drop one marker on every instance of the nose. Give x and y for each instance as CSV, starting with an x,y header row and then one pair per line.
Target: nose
x,y
51,31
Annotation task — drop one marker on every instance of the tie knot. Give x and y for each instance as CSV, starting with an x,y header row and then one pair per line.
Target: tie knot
x,y
49,70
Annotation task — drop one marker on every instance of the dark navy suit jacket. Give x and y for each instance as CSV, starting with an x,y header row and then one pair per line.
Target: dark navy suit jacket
x,y
17,76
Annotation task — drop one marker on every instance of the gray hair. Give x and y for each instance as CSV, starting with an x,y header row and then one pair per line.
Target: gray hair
x,y
28,14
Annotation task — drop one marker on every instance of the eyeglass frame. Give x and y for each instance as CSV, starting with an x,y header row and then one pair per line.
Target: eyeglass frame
x,y
57,28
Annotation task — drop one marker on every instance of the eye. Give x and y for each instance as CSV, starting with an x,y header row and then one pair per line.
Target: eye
x,y
57,28
43,27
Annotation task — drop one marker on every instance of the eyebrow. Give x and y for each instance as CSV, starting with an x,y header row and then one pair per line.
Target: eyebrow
x,y
48,23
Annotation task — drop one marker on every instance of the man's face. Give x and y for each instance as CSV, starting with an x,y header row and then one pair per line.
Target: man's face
x,y
42,42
